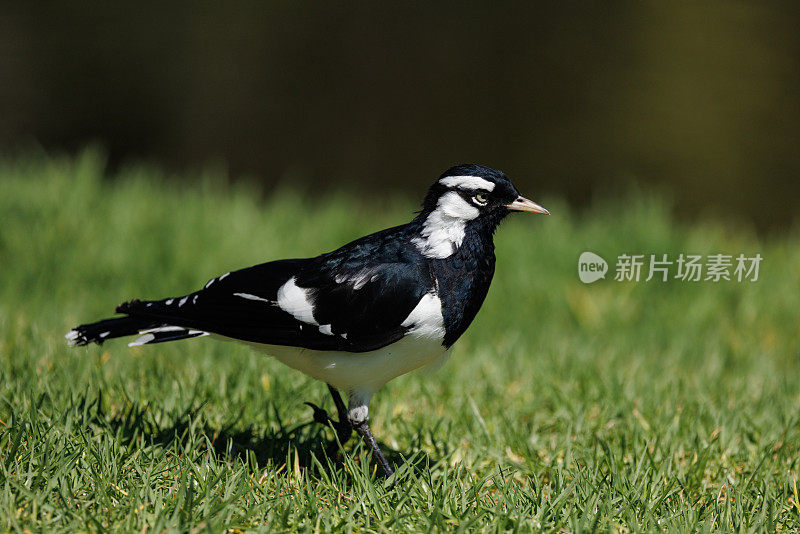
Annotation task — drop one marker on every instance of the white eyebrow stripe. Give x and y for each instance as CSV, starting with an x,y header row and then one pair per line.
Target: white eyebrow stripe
x,y
467,182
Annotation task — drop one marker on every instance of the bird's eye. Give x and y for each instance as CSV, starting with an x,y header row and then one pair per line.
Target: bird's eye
x,y
480,199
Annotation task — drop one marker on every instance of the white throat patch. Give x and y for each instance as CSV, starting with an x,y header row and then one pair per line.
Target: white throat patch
x,y
443,230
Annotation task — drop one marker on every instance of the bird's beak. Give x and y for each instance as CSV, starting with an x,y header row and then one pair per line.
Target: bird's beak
x,y
523,204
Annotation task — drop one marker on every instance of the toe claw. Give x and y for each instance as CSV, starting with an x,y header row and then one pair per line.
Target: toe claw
x,y
342,428
320,415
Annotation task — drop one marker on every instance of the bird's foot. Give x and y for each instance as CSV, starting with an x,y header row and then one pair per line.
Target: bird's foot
x,y
343,428
366,434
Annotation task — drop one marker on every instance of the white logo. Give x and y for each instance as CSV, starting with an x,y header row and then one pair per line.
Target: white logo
x,y
591,267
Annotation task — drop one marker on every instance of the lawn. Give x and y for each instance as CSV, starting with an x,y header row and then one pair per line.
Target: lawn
x,y
614,406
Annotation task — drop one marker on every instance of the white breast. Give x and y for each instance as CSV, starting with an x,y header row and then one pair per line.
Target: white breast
x,y
368,371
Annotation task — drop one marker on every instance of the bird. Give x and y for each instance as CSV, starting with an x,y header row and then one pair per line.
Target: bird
x,y
359,316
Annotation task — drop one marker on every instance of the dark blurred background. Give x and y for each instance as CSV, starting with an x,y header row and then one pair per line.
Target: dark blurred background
x,y
572,98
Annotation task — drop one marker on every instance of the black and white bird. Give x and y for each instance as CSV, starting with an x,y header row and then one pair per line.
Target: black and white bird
x,y
359,316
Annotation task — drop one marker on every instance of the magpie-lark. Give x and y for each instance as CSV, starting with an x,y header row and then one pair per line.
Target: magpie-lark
x,y
359,316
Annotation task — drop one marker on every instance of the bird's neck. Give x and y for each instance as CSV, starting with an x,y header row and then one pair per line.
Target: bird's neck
x,y
463,279
440,236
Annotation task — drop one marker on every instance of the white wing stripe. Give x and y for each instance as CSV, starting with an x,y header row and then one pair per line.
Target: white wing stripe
x,y
426,320
295,301
249,296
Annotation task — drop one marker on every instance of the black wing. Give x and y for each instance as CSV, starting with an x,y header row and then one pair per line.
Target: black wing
x,y
320,303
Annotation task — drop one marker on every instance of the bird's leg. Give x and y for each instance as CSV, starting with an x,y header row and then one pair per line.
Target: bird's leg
x,y
358,415
363,430
343,427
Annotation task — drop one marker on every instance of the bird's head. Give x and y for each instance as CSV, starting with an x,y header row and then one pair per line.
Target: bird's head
x,y
472,191
467,195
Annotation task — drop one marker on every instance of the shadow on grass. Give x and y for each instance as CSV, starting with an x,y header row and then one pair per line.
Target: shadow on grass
x,y
277,447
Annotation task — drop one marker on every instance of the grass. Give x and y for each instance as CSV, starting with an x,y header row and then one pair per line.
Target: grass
x,y
612,406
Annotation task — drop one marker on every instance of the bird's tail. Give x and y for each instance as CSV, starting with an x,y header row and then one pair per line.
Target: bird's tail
x,y
149,330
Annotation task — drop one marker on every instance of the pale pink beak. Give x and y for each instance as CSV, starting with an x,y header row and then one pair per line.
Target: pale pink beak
x,y
523,204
